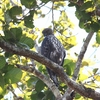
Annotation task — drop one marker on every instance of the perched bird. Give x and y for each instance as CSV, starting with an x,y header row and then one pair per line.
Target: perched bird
x,y
52,49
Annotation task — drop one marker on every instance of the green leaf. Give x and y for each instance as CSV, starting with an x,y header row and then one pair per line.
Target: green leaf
x,y
81,23
68,70
88,27
40,95
69,65
85,16
98,37
13,35
77,96
34,96
1,97
45,1
50,96
13,76
32,13
7,17
86,5
28,21
32,81
8,54
29,3
16,10
2,62
2,82
71,4
17,33
39,86
95,26
27,42
2,92
95,70
7,68
9,36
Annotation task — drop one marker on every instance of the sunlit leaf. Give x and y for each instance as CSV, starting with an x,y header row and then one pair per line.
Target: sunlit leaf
x,y
27,95
97,77
1,90
98,37
85,63
82,75
14,86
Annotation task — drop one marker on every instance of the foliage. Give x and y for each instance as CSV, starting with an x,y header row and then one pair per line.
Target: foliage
x,y
17,27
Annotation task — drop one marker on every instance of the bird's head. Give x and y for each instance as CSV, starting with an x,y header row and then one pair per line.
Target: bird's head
x,y
47,31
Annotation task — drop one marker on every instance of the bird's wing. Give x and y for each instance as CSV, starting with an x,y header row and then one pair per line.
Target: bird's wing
x,y
57,53
45,48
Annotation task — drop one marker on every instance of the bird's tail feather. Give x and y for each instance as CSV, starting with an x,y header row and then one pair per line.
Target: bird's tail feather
x,y
53,76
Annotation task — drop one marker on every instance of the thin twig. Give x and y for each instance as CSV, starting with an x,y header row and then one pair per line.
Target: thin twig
x,y
53,15
81,55
12,90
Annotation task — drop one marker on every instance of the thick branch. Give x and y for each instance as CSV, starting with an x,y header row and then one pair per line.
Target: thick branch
x,y
58,69
42,77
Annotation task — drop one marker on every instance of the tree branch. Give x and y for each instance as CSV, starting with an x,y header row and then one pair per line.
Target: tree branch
x,y
53,66
81,55
79,61
49,83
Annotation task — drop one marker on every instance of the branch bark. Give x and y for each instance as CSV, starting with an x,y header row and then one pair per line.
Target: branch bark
x,y
49,83
79,61
87,92
81,55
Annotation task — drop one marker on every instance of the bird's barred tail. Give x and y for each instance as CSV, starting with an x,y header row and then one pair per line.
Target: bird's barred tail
x,y
55,80
53,76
